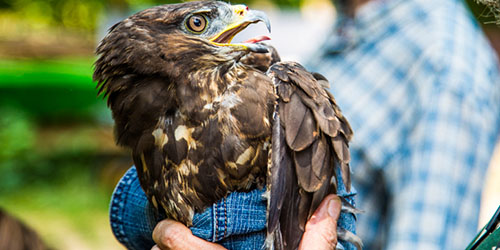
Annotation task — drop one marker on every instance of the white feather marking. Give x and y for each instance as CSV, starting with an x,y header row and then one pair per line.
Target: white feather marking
x,y
245,156
208,106
191,213
231,100
266,195
232,165
266,121
183,132
187,167
160,138
266,145
128,23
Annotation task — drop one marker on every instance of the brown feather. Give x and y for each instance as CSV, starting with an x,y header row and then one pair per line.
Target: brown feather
x,y
321,156
303,166
300,126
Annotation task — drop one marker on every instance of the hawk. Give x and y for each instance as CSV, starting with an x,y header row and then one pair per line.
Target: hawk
x,y
205,117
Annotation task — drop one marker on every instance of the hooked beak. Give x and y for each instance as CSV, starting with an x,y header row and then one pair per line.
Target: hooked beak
x,y
241,18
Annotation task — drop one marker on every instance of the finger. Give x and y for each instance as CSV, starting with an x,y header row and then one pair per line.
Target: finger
x,y
321,230
172,235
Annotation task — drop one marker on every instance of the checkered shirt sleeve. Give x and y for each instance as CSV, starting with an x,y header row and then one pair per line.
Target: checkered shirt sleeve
x,y
420,85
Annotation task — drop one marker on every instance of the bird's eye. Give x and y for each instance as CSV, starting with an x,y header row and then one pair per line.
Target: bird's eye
x,y
196,23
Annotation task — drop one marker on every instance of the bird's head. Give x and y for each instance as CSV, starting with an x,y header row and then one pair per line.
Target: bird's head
x,y
171,40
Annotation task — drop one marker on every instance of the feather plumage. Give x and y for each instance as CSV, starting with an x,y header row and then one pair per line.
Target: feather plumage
x,y
311,127
204,119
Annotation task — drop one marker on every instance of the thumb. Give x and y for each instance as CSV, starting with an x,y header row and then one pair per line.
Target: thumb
x,y
321,229
173,235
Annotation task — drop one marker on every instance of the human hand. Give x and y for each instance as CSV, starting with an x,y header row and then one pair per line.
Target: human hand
x,y
173,235
320,232
321,228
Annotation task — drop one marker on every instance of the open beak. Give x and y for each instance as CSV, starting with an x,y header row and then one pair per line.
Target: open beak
x,y
242,17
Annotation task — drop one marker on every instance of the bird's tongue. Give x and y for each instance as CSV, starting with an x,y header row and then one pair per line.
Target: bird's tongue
x,y
257,39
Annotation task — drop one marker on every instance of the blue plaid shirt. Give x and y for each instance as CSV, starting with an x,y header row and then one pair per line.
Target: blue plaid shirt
x,y
420,86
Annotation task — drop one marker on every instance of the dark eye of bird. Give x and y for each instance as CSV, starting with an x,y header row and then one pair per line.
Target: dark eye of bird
x,y
197,23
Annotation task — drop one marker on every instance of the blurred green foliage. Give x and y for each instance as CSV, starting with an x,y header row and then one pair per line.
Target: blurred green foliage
x,y
16,133
17,138
84,15
75,14
28,158
55,90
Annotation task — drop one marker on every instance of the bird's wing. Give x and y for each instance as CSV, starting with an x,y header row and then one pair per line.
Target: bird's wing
x,y
309,140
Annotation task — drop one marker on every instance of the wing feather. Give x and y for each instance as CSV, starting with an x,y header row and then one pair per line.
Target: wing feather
x,y
303,166
310,139
300,126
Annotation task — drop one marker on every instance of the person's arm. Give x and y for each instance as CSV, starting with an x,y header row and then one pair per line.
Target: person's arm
x,y
237,221
320,232
239,214
131,218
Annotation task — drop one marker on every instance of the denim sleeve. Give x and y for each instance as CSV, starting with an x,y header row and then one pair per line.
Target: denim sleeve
x,y
236,222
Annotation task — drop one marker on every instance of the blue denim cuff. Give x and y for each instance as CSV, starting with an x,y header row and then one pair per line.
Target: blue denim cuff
x,y
132,220
236,222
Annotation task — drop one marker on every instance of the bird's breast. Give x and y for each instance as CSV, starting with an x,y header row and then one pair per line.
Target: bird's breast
x,y
216,142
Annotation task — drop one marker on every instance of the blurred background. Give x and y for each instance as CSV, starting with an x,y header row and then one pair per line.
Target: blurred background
x,y
58,160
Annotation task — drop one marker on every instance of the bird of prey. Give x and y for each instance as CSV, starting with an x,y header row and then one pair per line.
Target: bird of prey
x,y
205,117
